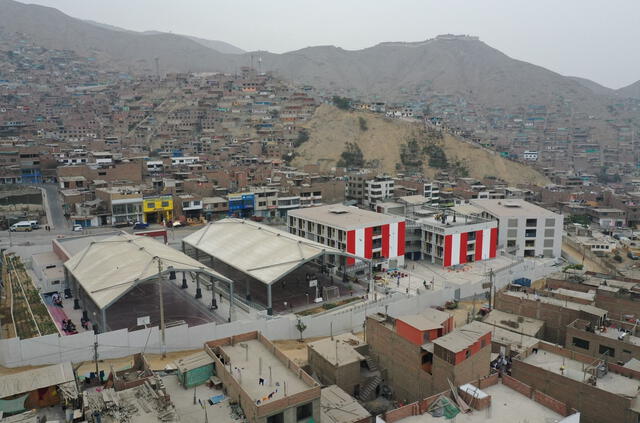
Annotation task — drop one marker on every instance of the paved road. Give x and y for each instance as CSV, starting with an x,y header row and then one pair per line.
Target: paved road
x,y
54,208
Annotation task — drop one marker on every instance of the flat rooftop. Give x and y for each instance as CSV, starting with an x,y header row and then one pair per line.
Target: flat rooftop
x,y
462,338
340,350
513,208
611,382
507,406
588,296
560,303
336,406
514,322
344,217
516,341
245,363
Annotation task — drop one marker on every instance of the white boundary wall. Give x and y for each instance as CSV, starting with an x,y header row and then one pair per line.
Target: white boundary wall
x,y
53,349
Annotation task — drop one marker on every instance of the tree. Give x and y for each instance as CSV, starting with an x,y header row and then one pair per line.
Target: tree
x,y
352,156
301,327
363,123
341,103
303,136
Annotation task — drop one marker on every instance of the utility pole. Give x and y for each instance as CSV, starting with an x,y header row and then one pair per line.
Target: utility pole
x,y
95,356
163,345
492,290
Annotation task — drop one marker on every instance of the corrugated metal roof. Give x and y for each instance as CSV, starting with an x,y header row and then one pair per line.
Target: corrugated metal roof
x,y
30,380
108,268
262,252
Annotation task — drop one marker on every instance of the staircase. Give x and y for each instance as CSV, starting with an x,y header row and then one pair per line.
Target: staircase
x,y
371,364
370,389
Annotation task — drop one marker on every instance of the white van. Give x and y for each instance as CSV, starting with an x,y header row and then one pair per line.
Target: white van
x,y
34,224
21,227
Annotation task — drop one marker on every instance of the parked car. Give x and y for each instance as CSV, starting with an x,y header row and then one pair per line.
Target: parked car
x,y
77,228
632,256
21,227
140,225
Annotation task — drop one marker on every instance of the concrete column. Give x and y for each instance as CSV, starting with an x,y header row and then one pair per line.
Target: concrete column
x,y
230,300
184,280
269,307
198,290
183,248
197,254
103,312
248,291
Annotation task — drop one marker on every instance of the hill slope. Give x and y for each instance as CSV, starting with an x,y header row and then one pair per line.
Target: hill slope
x,y
632,90
593,86
51,28
388,71
217,45
331,129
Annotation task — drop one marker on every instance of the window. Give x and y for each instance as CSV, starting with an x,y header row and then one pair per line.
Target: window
x,y
532,223
165,204
276,418
611,352
548,243
185,204
511,243
512,223
580,343
151,205
550,222
549,233
304,412
467,354
512,233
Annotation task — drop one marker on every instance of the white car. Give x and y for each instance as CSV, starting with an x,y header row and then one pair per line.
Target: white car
x,y
77,228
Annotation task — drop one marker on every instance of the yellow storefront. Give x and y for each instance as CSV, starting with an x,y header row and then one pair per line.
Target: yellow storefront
x,y
158,209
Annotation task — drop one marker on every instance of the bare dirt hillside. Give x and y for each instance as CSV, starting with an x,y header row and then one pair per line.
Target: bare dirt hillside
x,y
330,129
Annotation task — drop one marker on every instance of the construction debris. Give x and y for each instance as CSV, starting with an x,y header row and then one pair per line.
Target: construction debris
x,y
147,398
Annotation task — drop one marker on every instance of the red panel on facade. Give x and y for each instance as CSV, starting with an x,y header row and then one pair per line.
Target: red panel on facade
x,y
494,242
447,250
385,240
463,247
351,246
478,245
401,228
368,242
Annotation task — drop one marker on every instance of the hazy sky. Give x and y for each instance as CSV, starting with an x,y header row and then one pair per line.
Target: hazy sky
x,y
595,39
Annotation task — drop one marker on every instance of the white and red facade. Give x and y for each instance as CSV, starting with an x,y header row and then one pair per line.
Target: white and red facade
x,y
360,242
479,245
363,233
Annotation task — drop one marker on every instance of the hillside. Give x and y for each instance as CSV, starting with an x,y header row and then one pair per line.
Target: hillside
x,y
593,86
632,90
330,129
51,28
389,71
217,45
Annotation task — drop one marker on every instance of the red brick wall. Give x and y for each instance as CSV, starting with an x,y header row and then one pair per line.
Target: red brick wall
x,y
551,403
516,385
490,380
408,410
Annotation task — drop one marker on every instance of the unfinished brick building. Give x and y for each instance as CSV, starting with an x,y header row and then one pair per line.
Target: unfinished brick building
x,y
596,341
602,391
557,314
269,387
414,372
